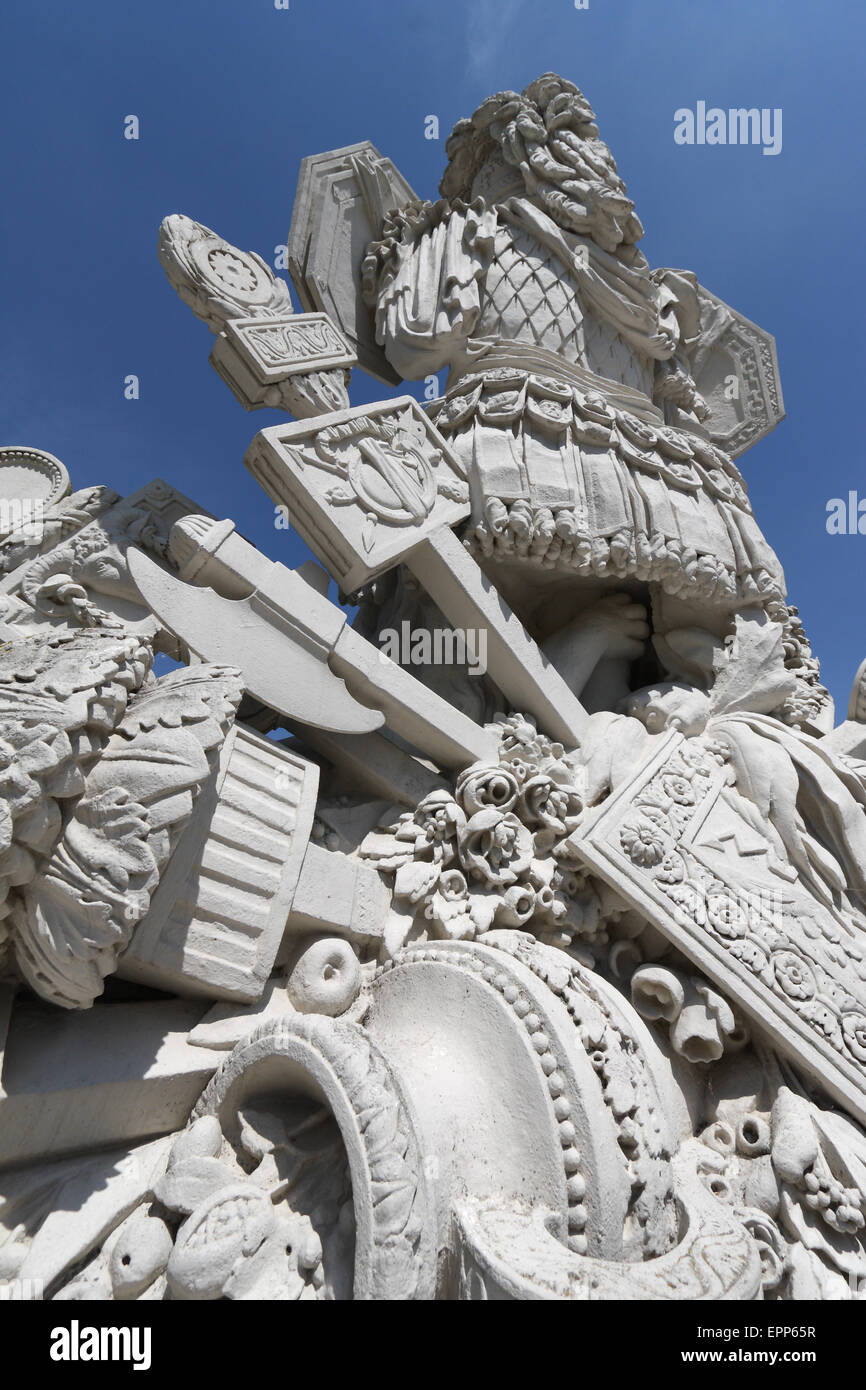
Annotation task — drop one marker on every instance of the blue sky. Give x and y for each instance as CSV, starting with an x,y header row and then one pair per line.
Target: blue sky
x,y
231,94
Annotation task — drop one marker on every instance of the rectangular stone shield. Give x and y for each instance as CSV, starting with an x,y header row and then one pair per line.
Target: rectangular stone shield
x,y
362,486
676,844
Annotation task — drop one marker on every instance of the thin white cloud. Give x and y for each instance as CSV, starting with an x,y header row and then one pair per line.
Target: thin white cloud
x,y
488,31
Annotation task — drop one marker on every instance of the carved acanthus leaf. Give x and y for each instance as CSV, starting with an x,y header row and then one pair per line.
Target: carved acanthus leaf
x,y
71,925
751,675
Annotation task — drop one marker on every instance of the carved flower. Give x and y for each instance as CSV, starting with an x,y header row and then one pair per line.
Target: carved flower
x,y
719,751
516,905
448,907
495,848
438,818
694,755
824,1020
690,898
519,739
486,785
544,802
751,954
679,789
671,869
681,767
793,975
854,1034
521,769
452,885
655,809
726,916
643,841
517,735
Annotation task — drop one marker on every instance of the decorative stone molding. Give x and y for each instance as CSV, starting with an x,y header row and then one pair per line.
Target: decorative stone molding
x,y
395,1251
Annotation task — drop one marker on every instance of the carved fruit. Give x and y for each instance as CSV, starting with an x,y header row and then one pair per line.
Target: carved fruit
x,y
795,1144
326,979
139,1256
203,1139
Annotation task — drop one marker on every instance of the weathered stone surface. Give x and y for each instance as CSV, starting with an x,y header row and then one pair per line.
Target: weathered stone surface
x,y
737,372
83,1081
341,201
506,966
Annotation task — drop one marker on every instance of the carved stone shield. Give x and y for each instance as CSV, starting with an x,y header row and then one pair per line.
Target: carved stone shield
x,y
678,843
342,198
737,372
363,485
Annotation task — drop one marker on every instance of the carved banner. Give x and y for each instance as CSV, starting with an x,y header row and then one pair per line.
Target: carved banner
x,y
276,347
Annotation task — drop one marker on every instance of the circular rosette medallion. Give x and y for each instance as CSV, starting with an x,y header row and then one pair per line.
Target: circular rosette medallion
x,y
231,271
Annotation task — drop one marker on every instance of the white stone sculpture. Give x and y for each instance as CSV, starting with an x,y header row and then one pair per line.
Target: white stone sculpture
x,y
327,977
265,353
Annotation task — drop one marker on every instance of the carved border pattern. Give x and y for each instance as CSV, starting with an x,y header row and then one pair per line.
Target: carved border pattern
x,y
794,969
394,1256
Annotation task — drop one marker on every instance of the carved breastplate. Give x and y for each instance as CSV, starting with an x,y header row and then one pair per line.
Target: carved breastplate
x,y
529,297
